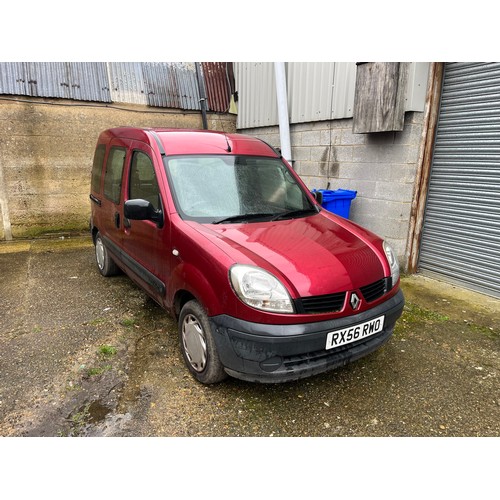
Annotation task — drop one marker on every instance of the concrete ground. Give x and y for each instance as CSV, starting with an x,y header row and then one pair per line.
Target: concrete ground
x,y
83,355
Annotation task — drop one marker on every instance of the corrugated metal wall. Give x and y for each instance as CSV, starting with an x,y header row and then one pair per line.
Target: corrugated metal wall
x,y
218,85
316,91
127,82
255,84
158,84
310,87
461,233
83,81
171,85
321,91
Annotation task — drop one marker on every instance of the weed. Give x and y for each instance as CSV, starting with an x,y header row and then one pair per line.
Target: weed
x,y
106,351
73,387
128,322
79,420
97,322
484,330
98,370
413,312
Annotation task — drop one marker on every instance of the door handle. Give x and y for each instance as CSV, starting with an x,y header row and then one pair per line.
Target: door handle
x,y
117,220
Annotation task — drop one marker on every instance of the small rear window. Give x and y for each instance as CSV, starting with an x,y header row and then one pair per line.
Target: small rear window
x,y
114,171
97,168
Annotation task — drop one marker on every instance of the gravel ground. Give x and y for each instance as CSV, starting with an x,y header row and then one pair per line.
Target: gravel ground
x,y
82,355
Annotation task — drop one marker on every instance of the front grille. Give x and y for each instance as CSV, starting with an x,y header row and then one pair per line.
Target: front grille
x,y
320,304
375,290
335,302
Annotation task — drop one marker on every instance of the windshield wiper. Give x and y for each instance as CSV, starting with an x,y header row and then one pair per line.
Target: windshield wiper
x,y
241,218
294,213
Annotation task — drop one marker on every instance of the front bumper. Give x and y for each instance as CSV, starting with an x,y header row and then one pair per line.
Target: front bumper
x,y
278,353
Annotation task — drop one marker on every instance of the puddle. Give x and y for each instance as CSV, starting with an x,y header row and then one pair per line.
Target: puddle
x,y
97,412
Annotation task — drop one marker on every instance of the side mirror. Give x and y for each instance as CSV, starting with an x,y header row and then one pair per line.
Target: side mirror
x,y
318,196
142,210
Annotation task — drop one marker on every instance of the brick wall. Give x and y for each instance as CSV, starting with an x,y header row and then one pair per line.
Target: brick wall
x,y
46,155
381,167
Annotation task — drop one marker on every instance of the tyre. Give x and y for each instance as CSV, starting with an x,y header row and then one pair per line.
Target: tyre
x,y
105,263
198,346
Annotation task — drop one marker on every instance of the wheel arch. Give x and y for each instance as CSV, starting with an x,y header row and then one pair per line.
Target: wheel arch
x,y
181,297
189,282
93,231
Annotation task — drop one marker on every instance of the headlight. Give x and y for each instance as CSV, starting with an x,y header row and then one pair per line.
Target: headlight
x,y
260,289
393,262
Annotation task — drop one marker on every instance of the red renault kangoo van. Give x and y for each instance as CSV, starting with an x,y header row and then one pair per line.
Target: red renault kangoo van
x,y
266,285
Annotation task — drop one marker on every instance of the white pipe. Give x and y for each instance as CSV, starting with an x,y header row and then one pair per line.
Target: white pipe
x,y
286,148
4,208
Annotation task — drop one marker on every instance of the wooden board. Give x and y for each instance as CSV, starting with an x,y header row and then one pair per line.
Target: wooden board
x,y
379,97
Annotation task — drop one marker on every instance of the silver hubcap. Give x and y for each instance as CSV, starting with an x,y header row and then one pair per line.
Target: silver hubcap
x,y
194,342
99,253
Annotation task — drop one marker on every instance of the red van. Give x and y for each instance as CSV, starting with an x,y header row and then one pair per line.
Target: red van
x,y
219,230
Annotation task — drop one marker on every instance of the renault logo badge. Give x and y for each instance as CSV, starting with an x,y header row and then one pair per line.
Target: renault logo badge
x,y
354,300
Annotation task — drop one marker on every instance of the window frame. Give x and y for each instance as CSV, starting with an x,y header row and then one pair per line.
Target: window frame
x,y
96,173
110,155
210,219
133,154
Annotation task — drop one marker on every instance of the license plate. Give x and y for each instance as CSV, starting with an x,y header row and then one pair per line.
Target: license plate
x,y
354,333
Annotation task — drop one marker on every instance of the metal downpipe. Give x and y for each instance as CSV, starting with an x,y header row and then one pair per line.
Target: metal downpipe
x,y
203,96
284,124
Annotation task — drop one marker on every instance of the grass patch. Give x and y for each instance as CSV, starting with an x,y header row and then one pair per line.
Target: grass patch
x,y
413,312
79,420
97,322
98,370
484,330
128,322
106,351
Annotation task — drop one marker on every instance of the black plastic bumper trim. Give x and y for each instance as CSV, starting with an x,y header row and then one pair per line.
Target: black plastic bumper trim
x,y
278,353
134,266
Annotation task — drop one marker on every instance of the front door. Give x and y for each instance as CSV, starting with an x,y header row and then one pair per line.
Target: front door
x,y
145,243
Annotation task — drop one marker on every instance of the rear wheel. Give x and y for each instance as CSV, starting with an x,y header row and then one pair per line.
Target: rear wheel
x,y
198,346
105,263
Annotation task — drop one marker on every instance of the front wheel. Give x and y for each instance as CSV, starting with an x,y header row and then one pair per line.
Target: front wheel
x,y
198,346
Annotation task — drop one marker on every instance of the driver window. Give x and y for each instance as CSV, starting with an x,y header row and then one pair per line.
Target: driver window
x,y
143,183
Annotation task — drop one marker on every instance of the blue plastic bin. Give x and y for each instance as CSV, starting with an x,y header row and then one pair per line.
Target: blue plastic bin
x,y
338,201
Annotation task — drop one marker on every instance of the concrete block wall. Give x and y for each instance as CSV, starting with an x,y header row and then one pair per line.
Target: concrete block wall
x,y
46,155
381,167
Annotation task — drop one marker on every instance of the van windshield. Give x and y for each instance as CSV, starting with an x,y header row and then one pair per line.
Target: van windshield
x,y
223,189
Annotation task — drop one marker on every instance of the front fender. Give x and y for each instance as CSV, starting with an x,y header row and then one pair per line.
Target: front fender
x,y
188,278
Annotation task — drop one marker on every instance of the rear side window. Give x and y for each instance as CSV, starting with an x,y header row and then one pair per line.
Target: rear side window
x,y
97,168
143,183
114,171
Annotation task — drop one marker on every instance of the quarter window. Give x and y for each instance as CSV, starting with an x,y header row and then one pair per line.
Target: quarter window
x,y
97,168
114,171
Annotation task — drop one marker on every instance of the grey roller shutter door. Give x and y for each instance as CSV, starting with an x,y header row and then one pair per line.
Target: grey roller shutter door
x,y
461,234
